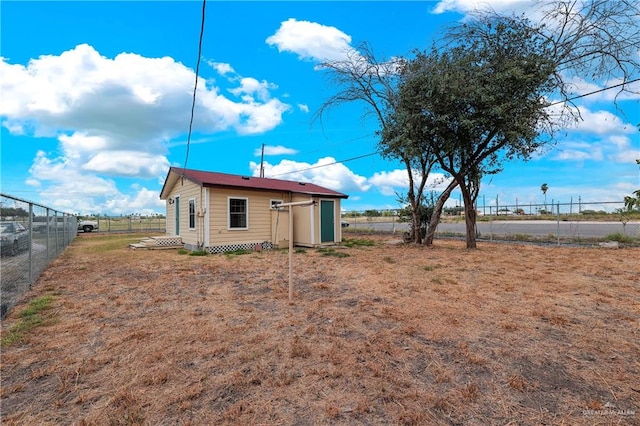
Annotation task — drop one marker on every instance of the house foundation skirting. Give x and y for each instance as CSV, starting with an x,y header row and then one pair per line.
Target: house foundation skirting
x,y
263,245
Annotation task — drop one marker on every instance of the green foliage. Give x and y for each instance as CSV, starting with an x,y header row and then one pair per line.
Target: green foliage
x,y
430,268
13,212
348,242
478,103
372,213
544,188
239,252
352,214
632,202
300,251
332,252
424,212
619,237
183,251
30,317
198,253
453,211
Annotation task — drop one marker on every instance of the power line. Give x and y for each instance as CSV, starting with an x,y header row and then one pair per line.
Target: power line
x,y
195,86
374,153
594,92
325,165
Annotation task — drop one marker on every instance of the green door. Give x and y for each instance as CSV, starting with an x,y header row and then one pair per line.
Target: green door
x,y
327,222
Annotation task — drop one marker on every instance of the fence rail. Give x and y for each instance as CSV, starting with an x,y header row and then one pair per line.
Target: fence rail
x,y
32,236
130,223
560,223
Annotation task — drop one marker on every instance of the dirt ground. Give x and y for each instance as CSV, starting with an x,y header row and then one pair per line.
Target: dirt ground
x,y
382,334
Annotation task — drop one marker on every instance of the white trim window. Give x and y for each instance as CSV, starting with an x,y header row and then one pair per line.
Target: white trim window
x,y
192,213
238,209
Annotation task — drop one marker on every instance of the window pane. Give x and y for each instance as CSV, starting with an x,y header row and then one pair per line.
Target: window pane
x,y
237,213
192,213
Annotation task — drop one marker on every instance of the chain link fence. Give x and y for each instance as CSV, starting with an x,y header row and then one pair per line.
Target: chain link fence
x,y
131,223
32,236
553,222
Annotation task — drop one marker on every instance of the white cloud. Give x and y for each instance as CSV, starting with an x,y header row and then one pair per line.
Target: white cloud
x,y
68,181
616,148
274,150
579,86
397,181
143,201
623,151
324,173
465,6
222,68
127,163
576,155
250,88
601,123
312,41
116,116
303,107
129,100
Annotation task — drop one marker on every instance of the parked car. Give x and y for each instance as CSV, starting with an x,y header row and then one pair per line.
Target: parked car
x,y
42,224
14,237
344,224
87,225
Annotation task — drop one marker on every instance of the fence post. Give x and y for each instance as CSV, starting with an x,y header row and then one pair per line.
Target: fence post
x,y
30,244
571,206
558,222
490,225
47,231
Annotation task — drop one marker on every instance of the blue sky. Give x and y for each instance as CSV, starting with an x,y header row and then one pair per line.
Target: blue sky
x,y
95,100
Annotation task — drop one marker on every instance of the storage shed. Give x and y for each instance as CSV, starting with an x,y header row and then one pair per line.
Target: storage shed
x,y
221,212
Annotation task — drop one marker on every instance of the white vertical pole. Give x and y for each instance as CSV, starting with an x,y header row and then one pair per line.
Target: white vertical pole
x,y
290,254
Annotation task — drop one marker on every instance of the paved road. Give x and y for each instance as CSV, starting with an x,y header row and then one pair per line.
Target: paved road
x,y
525,227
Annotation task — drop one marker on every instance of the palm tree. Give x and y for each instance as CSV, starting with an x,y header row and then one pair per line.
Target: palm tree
x,y
544,188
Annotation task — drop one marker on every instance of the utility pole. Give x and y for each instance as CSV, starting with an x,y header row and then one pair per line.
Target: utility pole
x,y
262,162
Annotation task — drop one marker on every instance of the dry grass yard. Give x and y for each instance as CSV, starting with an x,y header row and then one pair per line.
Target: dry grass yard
x,y
381,334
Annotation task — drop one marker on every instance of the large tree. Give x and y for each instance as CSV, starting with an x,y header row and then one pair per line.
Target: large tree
x,y
486,91
361,76
478,103
572,40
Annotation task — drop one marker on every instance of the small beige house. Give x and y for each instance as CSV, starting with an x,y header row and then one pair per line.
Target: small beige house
x,y
221,212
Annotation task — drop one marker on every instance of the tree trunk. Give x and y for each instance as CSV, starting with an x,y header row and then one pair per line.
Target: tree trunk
x,y
470,224
416,235
437,212
469,217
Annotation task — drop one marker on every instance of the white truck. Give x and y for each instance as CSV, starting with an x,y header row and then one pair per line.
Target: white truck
x,y
87,225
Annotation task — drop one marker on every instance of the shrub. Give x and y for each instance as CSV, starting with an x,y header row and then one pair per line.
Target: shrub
x,y
619,237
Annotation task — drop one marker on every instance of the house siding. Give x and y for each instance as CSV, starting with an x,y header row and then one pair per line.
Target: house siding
x,y
301,224
259,216
265,226
186,190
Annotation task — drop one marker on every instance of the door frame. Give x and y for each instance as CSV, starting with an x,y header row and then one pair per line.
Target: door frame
x,y
177,214
323,223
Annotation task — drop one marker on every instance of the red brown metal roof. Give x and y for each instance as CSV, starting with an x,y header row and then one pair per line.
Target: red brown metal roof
x,y
214,179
